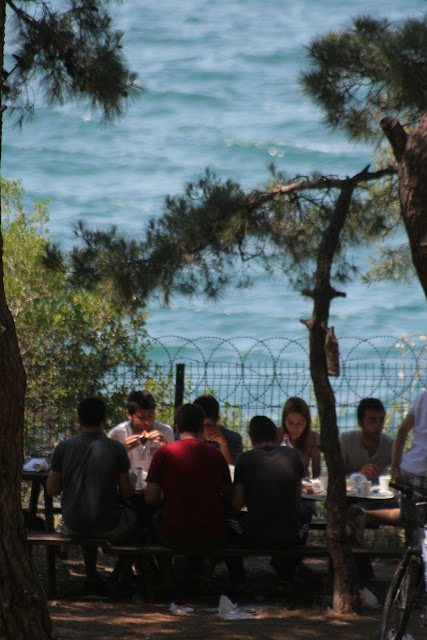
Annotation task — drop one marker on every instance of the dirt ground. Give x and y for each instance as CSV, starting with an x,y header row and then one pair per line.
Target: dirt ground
x,y
301,615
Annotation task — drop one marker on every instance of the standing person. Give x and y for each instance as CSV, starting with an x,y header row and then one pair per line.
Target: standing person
x,y
368,449
296,422
267,481
191,479
140,433
92,472
411,465
230,443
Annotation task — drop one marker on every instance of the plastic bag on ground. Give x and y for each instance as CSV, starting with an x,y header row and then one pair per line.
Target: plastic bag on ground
x,y
368,599
227,610
180,610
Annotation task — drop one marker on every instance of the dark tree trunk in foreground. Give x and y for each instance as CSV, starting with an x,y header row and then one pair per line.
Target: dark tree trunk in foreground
x,y
346,596
411,154
23,607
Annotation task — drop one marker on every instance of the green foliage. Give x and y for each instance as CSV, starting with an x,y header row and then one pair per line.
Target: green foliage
x,y
215,235
369,70
73,342
70,54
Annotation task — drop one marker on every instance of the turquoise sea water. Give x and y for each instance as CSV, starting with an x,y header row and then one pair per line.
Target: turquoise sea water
x,y
221,91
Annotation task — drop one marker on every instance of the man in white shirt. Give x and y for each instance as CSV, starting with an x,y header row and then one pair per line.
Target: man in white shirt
x,y
140,433
368,449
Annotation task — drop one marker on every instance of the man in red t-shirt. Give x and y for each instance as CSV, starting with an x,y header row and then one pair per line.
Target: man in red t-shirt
x,y
191,478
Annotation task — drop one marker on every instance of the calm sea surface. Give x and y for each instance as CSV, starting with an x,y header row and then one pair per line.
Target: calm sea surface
x,y
221,91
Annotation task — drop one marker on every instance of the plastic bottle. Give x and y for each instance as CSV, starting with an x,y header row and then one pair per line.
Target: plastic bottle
x,y
138,471
286,442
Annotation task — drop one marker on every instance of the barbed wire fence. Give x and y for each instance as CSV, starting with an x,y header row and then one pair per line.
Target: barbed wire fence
x,y
252,377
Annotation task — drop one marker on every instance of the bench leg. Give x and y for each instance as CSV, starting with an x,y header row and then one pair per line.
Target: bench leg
x,y
51,571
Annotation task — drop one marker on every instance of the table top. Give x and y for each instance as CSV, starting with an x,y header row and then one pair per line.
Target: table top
x,y
35,475
375,494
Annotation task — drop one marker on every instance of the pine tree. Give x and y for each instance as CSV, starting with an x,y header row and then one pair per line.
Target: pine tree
x,y
70,54
370,80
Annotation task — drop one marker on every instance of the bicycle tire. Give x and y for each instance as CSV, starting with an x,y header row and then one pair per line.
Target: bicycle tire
x,y
400,596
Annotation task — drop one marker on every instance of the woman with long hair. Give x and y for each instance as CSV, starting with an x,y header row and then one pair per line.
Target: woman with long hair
x,y
296,422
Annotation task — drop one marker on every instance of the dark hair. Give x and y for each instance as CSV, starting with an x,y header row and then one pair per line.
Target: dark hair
x,y
189,417
140,400
368,404
298,405
210,406
262,429
91,412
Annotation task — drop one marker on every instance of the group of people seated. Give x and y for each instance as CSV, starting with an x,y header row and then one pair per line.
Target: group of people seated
x,y
188,500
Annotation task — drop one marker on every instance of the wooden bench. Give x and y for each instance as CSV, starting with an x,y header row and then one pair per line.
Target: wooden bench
x,y
53,541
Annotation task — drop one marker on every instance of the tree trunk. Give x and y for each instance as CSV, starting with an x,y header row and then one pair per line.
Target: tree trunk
x,y
346,596
23,608
411,154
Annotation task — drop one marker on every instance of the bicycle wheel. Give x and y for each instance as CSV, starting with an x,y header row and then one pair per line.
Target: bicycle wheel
x,y
400,597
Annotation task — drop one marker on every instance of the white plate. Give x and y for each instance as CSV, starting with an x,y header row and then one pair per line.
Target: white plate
x,y
381,495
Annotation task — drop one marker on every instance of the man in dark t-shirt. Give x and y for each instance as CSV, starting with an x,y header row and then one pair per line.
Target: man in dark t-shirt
x,y
227,441
92,471
267,480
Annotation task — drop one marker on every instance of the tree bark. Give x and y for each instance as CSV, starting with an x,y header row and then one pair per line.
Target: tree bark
x,y
23,607
410,151
346,596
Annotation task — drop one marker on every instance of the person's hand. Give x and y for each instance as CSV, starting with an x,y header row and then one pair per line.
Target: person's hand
x,y
396,473
131,442
371,471
214,433
156,436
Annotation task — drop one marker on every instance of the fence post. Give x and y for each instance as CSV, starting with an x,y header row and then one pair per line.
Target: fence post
x,y
179,385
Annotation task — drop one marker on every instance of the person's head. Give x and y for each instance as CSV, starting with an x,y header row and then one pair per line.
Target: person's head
x,y
296,422
210,406
189,418
92,413
262,430
370,418
141,410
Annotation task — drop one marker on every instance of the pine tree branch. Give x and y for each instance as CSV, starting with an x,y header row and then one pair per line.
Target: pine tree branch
x,y
257,198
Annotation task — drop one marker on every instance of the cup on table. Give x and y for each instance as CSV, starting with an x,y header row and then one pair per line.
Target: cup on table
x,y
365,488
384,482
324,481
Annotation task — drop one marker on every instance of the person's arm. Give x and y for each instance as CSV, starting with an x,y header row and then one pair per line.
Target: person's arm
x,y
152,493
157,436
370,471
239,497
215,435
131,442
399,444
227,491
237,449
53,483
126,488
